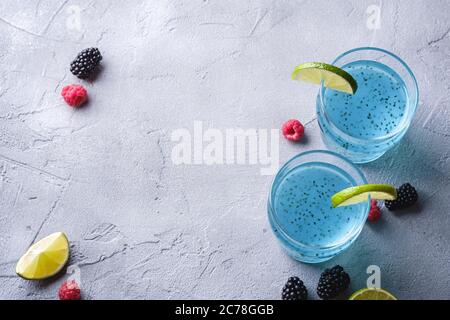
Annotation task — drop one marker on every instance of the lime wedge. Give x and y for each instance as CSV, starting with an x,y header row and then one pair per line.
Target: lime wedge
x,y
372,294
45,258
331,76
360,194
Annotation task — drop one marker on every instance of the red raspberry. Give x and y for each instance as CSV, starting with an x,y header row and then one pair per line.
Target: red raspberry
x,y
293,130
74,95
375,212
69,290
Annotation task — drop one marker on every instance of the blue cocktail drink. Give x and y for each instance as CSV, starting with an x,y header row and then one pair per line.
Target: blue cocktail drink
x,y
363,126
300,210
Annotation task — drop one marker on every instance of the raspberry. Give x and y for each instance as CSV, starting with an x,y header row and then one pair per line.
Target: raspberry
x,y
293,130
375,212
69,290
75,95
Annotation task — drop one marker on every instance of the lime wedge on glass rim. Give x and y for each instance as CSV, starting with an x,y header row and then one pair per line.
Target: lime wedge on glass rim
x,y
332,77
358,194
372,294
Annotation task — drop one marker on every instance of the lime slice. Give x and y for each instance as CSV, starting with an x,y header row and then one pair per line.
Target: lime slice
x,y
45,258
331,76
372,294
360,194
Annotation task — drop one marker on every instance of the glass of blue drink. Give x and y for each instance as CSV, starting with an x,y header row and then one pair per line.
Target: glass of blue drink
x,y
365,125
300,210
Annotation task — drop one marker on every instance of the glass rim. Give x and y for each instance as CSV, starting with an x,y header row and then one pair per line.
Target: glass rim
x,y
271,209
411,112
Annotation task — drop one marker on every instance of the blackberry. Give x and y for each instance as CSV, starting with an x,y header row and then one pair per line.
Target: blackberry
x,y
406,197
85,63
332,282
294,289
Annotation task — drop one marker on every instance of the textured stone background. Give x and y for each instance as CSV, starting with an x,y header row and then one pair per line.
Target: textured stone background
x,y
141,227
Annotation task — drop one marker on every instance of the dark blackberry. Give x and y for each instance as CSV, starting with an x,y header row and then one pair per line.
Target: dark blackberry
x,y
294,289
406,197
332,282
85,63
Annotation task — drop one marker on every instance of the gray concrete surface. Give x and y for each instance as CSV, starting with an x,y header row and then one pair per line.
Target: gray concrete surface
x,y
141,227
